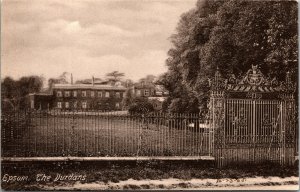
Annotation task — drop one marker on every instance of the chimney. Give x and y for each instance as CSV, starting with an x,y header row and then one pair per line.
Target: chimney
x,y
71,78
93,80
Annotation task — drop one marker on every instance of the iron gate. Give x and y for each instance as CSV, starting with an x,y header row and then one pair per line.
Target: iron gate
x,y
253,118
253,121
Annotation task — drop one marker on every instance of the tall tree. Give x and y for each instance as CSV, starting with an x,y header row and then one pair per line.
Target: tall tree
x,y
114,76
231,35
193,31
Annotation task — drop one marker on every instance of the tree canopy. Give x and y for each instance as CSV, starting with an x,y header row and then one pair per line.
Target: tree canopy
x,y
231,35
87,81
114,76
13,92
148,79
62,79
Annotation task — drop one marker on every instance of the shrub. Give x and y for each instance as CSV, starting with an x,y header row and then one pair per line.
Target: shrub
x,y
140,106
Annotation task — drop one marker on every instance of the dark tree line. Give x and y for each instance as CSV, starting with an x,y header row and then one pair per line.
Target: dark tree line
x,y
14,92
231,35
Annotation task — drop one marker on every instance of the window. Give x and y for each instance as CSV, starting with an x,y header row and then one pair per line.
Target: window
x,y
159,93
67,105
92,93
117,105
138,92
59,104
117,95
75,104
146,92
152,92
75,93
83,93
59,94
32,104
107,94
67,93
84,104
99,94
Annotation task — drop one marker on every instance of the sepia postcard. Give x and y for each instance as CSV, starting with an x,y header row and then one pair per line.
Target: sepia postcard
x,y
149,95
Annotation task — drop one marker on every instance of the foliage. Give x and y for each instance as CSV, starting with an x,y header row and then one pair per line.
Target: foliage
x,y
114,76
231,35
13,92
127,83
87,81
140,105
62,79
128,98
148,79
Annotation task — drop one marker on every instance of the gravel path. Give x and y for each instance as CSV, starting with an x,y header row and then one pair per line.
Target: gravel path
x,y
257,183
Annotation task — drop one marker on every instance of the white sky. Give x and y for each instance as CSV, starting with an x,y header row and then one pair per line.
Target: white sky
x,y
87,37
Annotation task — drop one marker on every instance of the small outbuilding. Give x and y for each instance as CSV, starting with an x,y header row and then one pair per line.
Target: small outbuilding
x,y
41,101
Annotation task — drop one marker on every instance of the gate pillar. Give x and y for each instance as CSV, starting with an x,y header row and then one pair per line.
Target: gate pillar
x,y
217,117
288,135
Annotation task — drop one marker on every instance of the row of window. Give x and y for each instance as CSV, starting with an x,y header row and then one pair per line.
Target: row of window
x,y
83,105
147,93
84,94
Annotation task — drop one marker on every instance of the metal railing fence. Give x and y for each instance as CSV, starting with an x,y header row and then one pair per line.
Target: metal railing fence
x,y
100,133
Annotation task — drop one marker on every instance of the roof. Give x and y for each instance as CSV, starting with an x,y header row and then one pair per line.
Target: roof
x,y
41,94
88,86
90,81
144,85
150,85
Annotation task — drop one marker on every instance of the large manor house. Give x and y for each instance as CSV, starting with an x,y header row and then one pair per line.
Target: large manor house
x,y
94,95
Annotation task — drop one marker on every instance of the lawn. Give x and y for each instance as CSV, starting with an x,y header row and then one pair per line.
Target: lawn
x,y
105,135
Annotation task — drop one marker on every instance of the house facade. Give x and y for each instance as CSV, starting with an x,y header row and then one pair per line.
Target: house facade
x,y
87,96
144,89
93,95
156,94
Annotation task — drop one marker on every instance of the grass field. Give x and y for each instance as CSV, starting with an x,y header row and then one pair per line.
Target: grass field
x,y
102,135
